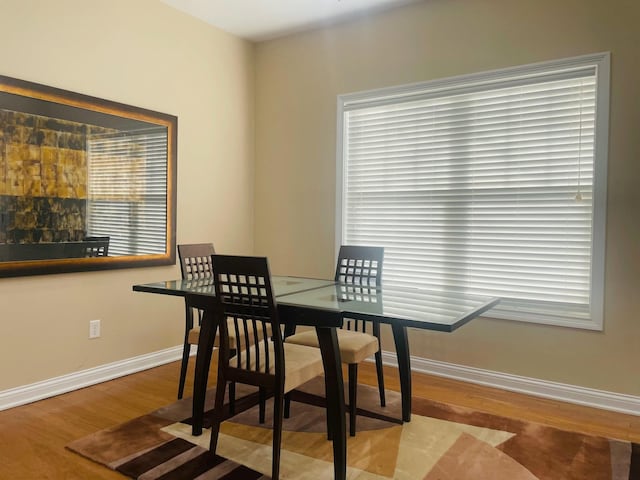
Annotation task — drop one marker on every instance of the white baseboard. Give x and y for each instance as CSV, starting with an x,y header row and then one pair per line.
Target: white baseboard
x,y
557,391
73,381
540,388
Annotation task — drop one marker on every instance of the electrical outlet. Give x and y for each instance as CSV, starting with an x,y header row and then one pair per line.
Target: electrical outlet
x,y
94,328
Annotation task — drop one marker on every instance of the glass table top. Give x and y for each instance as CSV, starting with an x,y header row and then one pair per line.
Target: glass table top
x,y
282,285
411,307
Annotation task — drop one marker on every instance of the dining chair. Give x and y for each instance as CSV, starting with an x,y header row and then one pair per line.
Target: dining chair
x,y
96,246
359,269
246,301
195,264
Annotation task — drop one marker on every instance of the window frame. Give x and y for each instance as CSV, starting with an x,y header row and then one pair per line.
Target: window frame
x,y
394,94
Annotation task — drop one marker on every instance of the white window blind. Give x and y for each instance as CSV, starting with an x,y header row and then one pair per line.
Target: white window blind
x,y
128,190
490,184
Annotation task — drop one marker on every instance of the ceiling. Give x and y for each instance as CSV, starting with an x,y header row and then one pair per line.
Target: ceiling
x,y
259,20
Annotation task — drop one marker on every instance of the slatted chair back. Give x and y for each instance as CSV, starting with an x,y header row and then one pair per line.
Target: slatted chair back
x,y
195,260
247,305
359,273
96,246
195,264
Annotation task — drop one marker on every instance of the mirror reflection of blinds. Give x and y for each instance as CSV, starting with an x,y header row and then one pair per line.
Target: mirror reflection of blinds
x,y
128,190
486,189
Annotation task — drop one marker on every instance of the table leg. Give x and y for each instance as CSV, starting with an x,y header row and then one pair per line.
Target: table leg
x,y
404,368
328,341
208,329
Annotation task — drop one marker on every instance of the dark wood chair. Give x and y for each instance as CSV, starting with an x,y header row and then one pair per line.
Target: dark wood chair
x,y
246,306
96,246
195,264
358,269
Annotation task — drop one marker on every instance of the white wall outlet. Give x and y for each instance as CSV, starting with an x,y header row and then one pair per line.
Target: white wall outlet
x,y
94,328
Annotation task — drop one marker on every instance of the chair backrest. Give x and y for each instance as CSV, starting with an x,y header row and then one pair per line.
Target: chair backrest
x,y
359,271
244,293
195,260
195,264
97,246
361,266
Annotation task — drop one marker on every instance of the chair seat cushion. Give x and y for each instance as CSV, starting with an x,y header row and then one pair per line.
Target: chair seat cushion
x,y
301,363
354,346
194,335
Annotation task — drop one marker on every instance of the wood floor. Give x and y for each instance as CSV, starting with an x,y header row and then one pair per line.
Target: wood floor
x,y
33,437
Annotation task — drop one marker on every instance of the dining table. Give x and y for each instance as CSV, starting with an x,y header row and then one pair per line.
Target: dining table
x,y
324,305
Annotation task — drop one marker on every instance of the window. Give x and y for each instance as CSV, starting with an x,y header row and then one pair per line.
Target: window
x,y
128,190
491,184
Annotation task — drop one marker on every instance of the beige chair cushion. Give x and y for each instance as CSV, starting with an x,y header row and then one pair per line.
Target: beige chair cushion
x,y
354,346
194,334
301,363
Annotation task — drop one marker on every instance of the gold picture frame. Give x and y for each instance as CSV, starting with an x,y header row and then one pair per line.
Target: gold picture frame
x,y
85,183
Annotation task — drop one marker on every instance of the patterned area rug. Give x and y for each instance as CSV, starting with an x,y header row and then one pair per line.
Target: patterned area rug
x,y
442,442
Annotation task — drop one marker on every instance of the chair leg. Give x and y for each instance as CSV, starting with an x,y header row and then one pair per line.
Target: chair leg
x,y
232,398
380,372
287,405
262,399
353,390
232,390
278,407
186,350
217,412
379,368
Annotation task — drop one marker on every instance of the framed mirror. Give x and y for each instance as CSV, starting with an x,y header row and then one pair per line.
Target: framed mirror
x,y
85,183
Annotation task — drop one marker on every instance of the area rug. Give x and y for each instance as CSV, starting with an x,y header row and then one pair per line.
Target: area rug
x,y
442,442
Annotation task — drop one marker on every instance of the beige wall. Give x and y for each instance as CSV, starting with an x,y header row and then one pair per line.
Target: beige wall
x,y
298,79
145,54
